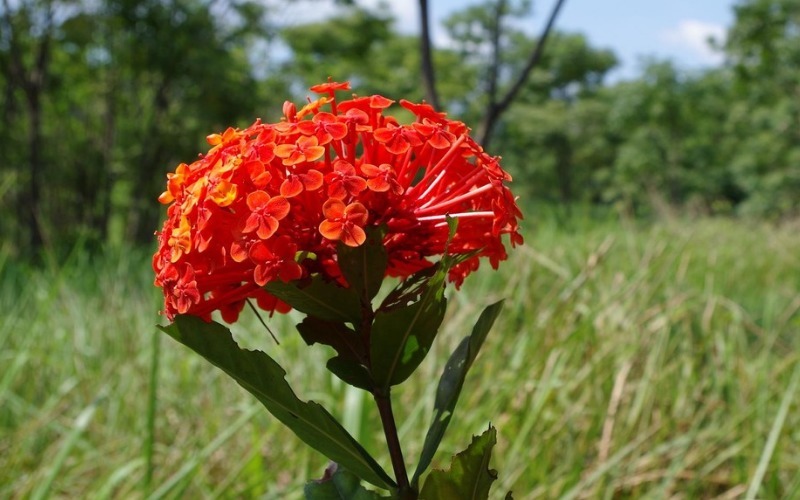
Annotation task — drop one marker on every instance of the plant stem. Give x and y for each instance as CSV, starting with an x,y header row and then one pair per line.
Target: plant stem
x,y
384,403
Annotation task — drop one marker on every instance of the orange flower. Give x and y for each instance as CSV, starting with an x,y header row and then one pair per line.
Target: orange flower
x,y
295,183
381,178
344,223
305,149
266,212
275,261
231,227
344,181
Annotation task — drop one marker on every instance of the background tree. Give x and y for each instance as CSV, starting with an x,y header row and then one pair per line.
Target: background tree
x,y
762,48
99,99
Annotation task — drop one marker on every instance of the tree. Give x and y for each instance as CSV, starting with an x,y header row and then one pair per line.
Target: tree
x,y
762,47
26,37
487,25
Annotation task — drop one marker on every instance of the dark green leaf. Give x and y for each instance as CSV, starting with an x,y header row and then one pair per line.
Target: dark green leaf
x,y
451,383
469,477
402,334
342,485
319,298
351,372
264,378
402,337
364,266
410,289
344,340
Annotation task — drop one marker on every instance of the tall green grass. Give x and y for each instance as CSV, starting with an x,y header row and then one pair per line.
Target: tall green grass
x,y
630,362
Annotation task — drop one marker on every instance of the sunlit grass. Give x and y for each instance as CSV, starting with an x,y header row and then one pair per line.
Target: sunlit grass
x,y
630,362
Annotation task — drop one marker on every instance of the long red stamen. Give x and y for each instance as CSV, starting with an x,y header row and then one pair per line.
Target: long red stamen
x,y
461,215
454,201
464,186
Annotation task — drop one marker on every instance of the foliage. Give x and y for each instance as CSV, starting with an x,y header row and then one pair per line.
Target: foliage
x,y
679,340
122,92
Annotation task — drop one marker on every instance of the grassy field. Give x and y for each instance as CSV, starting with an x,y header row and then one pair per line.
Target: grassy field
x,y
631,362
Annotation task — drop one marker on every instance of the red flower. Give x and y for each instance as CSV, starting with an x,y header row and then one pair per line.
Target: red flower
x,y
325,127
381,178
275,261
295,183
344,223
305,149
344,181
231,227
265,213
398,139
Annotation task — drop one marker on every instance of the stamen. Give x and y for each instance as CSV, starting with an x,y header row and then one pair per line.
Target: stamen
x,y
403,166
457,199
433,184
441,164
465,185
461,215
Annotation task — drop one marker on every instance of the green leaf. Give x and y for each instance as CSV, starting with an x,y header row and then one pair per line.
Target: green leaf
x,y
319,298
410,289
351,372
415,286
344,340
469,477
364,266
402,337
349,364
451,383
342,485
265,379
402,334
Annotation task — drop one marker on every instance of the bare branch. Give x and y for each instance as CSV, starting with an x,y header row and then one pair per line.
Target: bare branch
x,y
496,109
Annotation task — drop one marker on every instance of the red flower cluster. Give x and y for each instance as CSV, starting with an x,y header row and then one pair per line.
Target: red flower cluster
x,y
272,201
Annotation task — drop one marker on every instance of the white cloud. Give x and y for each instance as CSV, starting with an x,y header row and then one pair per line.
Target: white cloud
x,y
693,35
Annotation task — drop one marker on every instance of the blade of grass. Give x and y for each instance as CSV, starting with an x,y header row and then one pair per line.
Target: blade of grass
x,y
190,463
152,403
119,475
81,422
774,433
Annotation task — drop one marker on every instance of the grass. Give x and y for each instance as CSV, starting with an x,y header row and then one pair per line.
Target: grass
x,y
630,362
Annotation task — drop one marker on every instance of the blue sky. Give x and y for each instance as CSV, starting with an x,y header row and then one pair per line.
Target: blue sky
x,y
633,29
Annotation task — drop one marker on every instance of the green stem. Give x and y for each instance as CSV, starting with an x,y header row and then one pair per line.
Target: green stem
x,y
384,403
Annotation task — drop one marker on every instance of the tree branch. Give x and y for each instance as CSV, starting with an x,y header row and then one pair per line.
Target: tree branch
x,y
428,77
495,109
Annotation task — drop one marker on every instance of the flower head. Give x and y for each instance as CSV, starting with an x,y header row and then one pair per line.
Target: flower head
x,y
240,215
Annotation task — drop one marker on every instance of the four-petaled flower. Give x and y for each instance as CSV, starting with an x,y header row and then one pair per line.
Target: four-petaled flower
x,y
344,181
265,213
305,149
381,178
275,260
344,223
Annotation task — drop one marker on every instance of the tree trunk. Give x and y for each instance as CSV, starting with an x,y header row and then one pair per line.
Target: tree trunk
x,y
32,221
428,76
